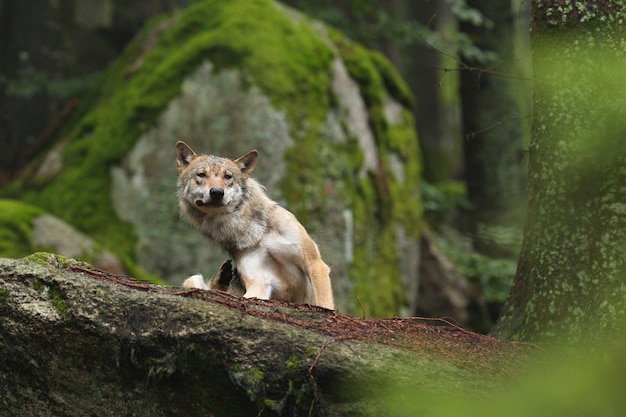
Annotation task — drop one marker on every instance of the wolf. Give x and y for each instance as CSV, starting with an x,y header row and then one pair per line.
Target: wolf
x,y
274,256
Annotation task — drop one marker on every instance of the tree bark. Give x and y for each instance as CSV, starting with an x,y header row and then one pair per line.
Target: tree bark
x,y
76,340
571,283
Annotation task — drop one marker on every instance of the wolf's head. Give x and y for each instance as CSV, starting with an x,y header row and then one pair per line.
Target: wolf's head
x,y
212,184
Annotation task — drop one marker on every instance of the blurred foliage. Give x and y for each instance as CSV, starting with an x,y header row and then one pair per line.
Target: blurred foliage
x,y
31,81
493,276
588,382
443,199
508,237
372,23
443,204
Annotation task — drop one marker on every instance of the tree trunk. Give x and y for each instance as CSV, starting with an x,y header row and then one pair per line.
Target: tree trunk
x,y
570,285
438,106
75,340
495,172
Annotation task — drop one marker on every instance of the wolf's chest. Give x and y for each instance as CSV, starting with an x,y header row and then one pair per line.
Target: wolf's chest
x,y
234,235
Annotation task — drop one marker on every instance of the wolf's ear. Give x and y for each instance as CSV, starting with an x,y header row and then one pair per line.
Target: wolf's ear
x,y
184,155
247,162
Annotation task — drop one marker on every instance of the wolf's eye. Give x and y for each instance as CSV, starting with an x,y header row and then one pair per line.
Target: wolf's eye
x,y
201,175
227,176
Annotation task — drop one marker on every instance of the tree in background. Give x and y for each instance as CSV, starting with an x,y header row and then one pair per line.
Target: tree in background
x,y
495,173
571,277
432,28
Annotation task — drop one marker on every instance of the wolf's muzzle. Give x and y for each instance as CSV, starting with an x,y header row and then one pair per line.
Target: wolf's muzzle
x,y
216,193
215,198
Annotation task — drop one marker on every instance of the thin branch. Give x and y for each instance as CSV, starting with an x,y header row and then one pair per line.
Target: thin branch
x,y
462,65
472,135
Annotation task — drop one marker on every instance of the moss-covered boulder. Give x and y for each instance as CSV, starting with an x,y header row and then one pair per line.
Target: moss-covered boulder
x,y
332,122
25,228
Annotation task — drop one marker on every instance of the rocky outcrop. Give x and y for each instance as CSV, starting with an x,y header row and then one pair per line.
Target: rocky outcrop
x,y
74,340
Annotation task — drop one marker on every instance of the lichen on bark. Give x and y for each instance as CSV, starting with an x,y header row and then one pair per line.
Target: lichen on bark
x,y
570,284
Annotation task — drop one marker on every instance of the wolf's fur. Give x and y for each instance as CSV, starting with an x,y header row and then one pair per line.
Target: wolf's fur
x,y
274,255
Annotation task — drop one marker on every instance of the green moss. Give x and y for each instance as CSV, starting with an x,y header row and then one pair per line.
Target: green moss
x,y
16,228
53,293
293,365
56,260
394,83
300,387
158,369
60,305
312,351
250,379
376,273
45,258
408,205
4,294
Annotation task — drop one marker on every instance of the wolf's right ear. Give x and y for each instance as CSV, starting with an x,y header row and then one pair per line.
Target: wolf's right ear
x,y
247,162
184,155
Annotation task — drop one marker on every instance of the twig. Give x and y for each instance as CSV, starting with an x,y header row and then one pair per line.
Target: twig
x,y
472,135
315,362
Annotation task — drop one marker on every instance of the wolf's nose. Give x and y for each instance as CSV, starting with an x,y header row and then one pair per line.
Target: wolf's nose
x,y
216,193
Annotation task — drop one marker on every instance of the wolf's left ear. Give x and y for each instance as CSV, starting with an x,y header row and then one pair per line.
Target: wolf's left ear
x,y
184,155
247,162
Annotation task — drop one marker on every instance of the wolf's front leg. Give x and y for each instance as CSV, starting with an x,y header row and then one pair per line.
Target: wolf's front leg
x,y
256,286
254,271
257,289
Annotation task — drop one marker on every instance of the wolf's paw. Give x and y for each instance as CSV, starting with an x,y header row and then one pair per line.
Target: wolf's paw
x,y
223,277
195,281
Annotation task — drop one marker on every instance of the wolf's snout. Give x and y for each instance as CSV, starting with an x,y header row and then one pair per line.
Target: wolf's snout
x,y
216,193
214,198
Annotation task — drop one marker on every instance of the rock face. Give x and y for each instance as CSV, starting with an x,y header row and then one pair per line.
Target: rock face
x,y
331,120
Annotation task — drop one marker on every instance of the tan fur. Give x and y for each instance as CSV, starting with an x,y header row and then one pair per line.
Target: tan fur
x,y
274,256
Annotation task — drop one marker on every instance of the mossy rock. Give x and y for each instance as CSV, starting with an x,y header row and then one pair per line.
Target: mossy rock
x,y
331,119
26,229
